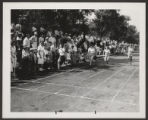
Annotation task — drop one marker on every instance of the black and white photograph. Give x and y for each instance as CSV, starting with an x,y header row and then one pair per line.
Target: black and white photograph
x,y
69,59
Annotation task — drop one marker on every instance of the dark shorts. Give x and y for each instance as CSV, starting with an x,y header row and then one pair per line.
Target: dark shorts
x,y
95,57
62,59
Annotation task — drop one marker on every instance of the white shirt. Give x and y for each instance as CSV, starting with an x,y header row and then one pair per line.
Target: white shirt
x,y
91,39
52,47
52,40
25,53
26,42
61,51
91,50
33,40
106,52
97,48
41,39
130,50
41,51
40,48
18,38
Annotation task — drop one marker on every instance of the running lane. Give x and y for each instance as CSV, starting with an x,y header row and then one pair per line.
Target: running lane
x,y
104,88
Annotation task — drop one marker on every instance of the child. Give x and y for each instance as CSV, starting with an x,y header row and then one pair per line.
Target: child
x,y
91,53
130,50
106,54
41,56
61,58
68,56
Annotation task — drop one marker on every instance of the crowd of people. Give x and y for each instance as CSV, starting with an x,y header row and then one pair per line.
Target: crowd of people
x,y
38,51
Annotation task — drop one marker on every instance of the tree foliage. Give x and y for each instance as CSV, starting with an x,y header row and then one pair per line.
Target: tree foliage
x,y
132,35
108,23
70,21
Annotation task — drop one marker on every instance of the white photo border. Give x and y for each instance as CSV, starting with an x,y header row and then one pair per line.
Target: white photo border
x,y
6,86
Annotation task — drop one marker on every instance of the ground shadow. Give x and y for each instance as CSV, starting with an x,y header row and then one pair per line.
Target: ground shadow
x,y
99,64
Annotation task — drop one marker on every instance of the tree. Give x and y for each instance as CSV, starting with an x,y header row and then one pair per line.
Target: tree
x,y
104,21
132,35
119,28
69,21
110,23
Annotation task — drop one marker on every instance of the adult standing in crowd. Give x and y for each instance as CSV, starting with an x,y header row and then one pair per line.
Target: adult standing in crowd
x,y
61,59
13,57
52,39
25,62
26,41
19,47
41,56
41,38
32,62
130,50
34,40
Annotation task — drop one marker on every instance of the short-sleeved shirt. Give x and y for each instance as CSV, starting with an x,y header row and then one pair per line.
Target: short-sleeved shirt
x,y
33,40
19,38
52,40
25,53
62,51
107,52
26,42
130,50
91,50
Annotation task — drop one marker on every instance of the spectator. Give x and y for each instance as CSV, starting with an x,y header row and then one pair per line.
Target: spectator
x,y
34,41
26,41
52,40
61,56
41,38
41,56
91,53
25,62
106,54
13,57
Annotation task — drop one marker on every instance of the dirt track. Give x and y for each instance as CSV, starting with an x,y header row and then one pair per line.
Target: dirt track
x,y
104,88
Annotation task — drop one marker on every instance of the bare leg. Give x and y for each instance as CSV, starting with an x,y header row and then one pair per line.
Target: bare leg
x,y
58,64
